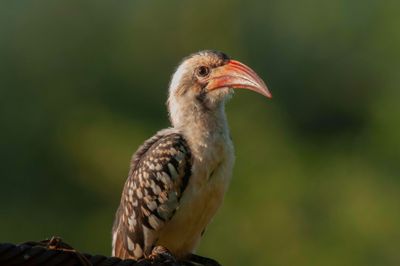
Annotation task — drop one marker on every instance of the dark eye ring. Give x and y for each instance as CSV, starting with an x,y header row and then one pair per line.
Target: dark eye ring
x,y
203,71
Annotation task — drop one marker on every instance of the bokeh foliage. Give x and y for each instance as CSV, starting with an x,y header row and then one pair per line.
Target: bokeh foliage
x,y
316,182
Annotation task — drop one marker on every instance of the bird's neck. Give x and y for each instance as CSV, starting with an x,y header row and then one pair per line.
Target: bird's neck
x,y
204,130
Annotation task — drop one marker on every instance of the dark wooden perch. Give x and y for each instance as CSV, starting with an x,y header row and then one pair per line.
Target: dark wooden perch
x,y
55,252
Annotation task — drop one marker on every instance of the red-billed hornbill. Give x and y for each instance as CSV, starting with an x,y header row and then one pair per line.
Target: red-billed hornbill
x,y
178,178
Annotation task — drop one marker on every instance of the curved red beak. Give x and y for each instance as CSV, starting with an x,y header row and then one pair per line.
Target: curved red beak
x,y
237,75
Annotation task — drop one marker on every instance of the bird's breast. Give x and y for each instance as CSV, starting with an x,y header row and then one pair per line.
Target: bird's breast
x,y
201,199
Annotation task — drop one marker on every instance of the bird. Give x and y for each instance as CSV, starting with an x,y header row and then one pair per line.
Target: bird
x,y
178,177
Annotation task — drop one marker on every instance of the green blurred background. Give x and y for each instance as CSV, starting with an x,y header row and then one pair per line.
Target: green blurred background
x,y
317,176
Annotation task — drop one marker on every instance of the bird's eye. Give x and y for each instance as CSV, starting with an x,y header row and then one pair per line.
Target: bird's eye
x,y
202,71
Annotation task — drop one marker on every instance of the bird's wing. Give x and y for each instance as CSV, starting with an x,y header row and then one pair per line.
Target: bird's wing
x,y
159,173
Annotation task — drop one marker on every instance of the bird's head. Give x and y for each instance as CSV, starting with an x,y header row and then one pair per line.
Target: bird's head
x,y
204,80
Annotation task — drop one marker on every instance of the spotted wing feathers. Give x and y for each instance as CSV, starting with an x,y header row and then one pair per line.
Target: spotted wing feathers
x,y
159,173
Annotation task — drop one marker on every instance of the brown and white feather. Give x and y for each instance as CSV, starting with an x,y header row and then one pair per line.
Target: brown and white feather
x,y
158,175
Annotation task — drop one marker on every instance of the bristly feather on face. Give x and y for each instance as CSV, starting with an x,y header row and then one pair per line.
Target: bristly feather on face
x,y
188,92
184,77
